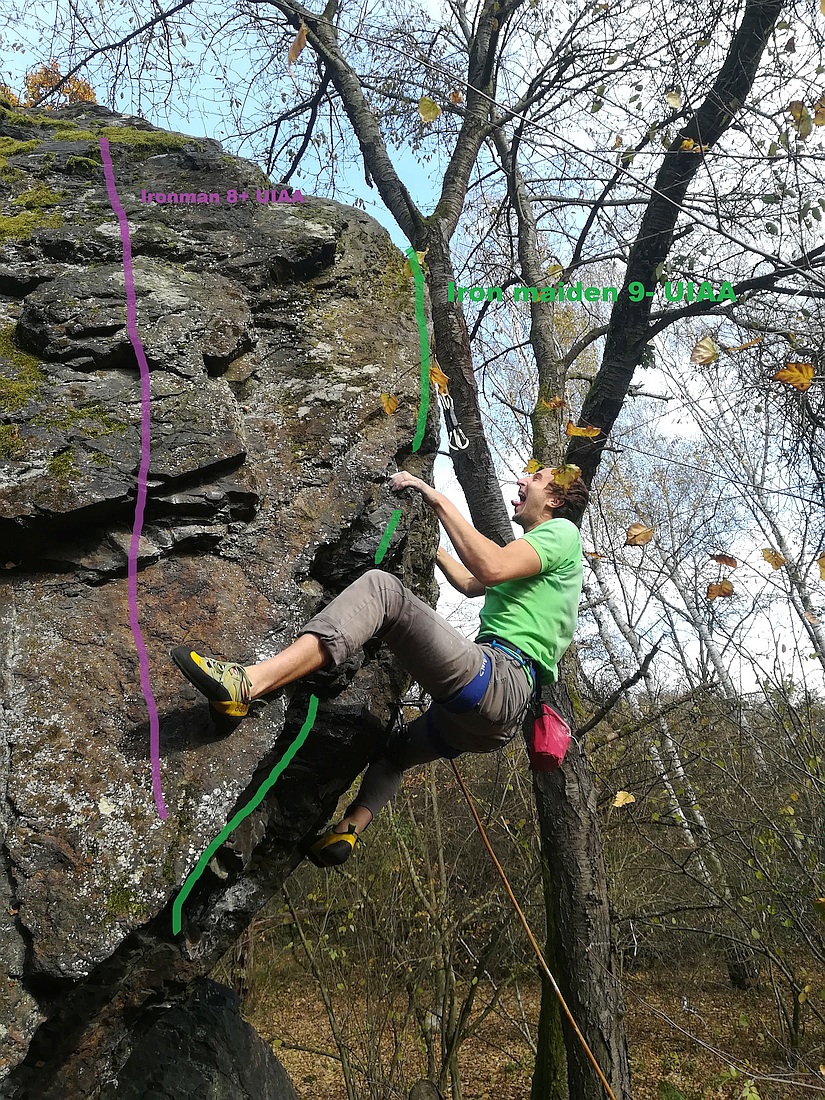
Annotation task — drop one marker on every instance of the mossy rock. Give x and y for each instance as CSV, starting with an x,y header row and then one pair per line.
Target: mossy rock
x,y
38,196
62,466
11,443
20,227
16,392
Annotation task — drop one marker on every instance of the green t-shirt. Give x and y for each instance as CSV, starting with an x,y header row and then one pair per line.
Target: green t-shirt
x,y
538,614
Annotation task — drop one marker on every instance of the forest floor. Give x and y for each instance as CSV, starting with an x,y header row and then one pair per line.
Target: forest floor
x,y
686,1029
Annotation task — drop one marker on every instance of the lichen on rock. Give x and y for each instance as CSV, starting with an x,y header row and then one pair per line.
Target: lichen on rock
x,y
266,493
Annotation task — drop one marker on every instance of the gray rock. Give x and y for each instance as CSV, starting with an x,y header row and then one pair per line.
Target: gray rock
x,y
202,1050
270,334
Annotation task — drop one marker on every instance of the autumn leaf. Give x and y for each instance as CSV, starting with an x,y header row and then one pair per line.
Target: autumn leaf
x,y
587,433
389,403
554,403
819,111
725,559
674,99
773,558
638,535
437,376
820,561
705,351
456,96
553,272
428,109
617,144
298,43
408,271
812,619
532,466
592,554
564,476
798,375
723,588
623,798
741,347
802,121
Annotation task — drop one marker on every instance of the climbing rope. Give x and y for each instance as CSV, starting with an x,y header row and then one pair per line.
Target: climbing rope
x,y
531,937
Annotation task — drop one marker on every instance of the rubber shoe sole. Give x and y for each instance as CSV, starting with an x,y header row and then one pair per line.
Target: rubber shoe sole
x,y
221,698
332,849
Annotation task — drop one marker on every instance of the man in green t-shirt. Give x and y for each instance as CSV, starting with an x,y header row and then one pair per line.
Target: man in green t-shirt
x,y
481,689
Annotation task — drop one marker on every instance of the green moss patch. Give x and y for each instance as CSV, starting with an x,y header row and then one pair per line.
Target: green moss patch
x,y
11,147
62,466
92,421
37,197
28,381
19,227
83,166
11,445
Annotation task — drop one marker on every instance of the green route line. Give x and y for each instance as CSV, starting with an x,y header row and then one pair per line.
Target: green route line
x,y
424,345
386,538
253,804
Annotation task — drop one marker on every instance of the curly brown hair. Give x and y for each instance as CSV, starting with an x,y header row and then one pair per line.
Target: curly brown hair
x,y
575,496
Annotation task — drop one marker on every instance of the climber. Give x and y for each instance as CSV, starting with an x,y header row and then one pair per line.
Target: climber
x,y
481,689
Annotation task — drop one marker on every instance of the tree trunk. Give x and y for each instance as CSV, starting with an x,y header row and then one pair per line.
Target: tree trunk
x,y
550,1070
585,969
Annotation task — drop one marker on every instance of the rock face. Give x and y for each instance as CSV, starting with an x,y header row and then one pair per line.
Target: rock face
x,y
203,1050
270,332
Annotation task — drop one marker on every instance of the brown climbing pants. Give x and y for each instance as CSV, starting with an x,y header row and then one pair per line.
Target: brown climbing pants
x,y
378,605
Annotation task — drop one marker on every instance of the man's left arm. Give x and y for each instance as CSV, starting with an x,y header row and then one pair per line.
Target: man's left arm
x,y
490,563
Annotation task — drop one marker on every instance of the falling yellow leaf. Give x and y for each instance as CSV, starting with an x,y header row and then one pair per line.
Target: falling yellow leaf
x,y
674,98
725,559
554,403
456,96
688,144
798,375
389,403
819,111
437,376
812,619
408,271
553,272
822,6
617,144
587,433
564,476
723,588
623,798
638,535
298,43
820,561
705,351
773,558
592,554
532,466
428,109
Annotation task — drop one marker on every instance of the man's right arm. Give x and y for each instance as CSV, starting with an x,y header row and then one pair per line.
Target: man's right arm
x,y
459,577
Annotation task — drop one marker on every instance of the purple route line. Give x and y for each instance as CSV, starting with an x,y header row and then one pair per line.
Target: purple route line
x,y
140,504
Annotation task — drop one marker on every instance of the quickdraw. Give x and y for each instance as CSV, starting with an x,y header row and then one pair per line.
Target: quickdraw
x,y
457,439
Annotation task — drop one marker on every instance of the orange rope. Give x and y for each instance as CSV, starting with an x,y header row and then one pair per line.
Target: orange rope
x,y
532,938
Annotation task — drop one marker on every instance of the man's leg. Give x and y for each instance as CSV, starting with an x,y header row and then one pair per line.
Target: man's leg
x,y
306,655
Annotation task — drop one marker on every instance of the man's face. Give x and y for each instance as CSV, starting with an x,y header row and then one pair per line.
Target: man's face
x,y
535,503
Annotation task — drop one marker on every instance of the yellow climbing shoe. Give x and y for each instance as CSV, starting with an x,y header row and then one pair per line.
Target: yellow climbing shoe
x,y
224,683
333,848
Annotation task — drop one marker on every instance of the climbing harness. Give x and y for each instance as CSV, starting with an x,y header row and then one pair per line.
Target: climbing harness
x,y
532,938
457,439
529,665
461,701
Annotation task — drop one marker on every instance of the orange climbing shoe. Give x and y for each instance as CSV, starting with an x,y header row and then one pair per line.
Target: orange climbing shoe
x,y
224,683
333,848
